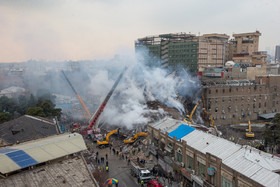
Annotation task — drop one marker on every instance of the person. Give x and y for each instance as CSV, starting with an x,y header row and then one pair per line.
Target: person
x,y
96,153
107,168
128,161
142,183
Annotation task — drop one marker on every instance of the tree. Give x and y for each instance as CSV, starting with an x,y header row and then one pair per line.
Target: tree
x,y
5,117
36,111
272,131
22,104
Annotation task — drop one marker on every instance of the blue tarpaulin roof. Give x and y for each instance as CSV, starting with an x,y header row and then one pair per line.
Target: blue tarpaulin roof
x,y
181,131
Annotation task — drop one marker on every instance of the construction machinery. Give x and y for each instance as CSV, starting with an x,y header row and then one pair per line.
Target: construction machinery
x,y
135,137
249,133
140,171
107,140
93,120
189,119
78,96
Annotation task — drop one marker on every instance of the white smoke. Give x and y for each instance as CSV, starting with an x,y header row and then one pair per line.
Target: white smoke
x,y
94,79
140,83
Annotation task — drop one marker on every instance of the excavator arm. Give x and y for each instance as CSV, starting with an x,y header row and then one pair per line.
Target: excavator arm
x,y
106,142
134,138
189,117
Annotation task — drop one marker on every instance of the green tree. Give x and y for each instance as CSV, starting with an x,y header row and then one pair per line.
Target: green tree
x,y
36,111
272,131
48,107
8,105
5,117
22,104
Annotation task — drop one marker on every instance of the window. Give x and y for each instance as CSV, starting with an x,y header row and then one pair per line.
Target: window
x,y
226,182
179,155
201,169
190,162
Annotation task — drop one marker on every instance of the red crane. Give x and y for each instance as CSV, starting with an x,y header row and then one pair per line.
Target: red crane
x,y
95,117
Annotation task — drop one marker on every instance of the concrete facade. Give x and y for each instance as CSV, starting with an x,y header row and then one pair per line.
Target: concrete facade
x,y
247,42
192,164
245,49
277,54
240,102
190,51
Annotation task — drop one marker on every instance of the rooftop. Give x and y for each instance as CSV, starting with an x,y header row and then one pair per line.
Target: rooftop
x,y
19,156
68,172
26,128
253,163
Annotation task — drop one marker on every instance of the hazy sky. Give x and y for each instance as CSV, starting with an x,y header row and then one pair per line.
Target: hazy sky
x,y
99,29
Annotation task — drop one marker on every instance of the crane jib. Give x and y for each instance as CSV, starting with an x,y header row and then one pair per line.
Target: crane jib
x,y
101,108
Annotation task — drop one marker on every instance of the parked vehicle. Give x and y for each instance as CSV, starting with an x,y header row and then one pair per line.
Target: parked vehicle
x,y
140,172
154,183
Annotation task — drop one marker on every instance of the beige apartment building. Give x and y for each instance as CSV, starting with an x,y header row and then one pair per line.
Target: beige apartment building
x,y
239,101
202,159
246,52
247,42
212,50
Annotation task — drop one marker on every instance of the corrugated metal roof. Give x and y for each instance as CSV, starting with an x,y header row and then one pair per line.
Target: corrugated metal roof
x,y
33,152
181,131
251,162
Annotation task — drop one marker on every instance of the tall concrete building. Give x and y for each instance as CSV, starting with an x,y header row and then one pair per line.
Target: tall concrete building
x,y
277,54
187,50
237,101
246,50
247,43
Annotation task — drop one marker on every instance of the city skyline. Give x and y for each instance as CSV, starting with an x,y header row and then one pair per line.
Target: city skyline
x,y
78,30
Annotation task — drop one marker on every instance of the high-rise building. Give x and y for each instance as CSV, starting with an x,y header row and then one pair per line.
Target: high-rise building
x,y
277,54
186,50
247,43
246,52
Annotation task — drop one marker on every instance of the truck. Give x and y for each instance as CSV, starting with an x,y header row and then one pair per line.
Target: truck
x,y
140,172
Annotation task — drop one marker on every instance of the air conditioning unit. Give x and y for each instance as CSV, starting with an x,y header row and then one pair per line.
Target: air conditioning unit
x,y
182,164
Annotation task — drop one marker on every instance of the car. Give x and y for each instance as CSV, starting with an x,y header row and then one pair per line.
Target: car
x,y
154,183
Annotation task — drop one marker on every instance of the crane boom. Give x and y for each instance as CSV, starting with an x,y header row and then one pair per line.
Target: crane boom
x,y
77,95
96,115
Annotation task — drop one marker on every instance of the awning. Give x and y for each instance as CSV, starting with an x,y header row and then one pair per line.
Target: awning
x,y
268,116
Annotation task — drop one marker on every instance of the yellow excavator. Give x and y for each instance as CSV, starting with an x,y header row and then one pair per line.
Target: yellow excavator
x,y
249,133
134,138
188,119
107,141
